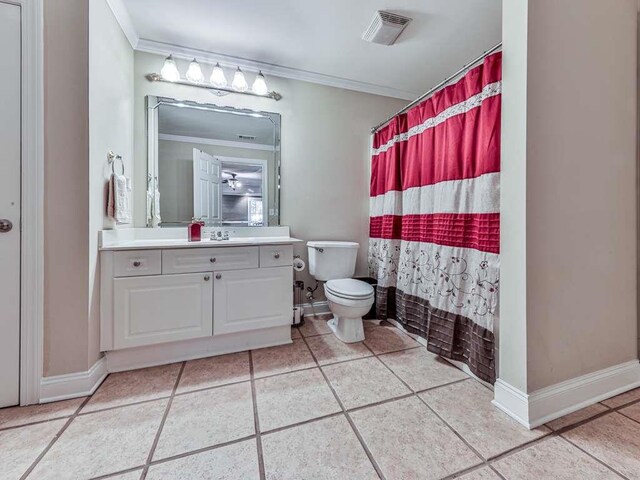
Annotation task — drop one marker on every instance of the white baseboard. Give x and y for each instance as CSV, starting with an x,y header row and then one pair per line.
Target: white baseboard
x,y
162,354
319,308
73,385
549,403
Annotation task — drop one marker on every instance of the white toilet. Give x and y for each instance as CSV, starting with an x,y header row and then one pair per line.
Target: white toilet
x,y
349,299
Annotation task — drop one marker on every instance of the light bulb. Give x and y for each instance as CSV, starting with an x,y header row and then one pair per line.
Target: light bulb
x,y
259,85
194,72
239,82
169,70
217,77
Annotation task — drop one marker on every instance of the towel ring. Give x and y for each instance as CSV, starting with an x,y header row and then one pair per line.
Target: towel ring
x,y
111,159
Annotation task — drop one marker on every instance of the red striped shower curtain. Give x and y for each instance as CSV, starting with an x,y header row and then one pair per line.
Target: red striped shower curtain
x,y
435,218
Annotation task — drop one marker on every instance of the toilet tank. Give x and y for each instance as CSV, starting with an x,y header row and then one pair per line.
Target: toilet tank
x,y
331,260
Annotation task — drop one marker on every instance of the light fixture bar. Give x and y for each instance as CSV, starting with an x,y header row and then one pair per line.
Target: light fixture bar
x,y
220,91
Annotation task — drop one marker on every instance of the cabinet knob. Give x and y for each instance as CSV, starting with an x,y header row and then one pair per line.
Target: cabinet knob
x,y
276,255
207,278
212,259
218,276
136,263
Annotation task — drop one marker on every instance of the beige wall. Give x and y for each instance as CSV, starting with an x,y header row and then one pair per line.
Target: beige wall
x,y
110,128
325,151
66,191
577,305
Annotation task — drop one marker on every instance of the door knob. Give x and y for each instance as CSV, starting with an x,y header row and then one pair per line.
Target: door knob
x,y
276,255
5,225
218,276
206,278
212,259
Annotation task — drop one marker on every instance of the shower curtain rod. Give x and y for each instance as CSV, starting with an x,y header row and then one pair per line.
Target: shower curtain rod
x,y
437,87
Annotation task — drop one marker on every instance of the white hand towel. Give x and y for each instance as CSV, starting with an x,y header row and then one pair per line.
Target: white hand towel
x,y
118,203
156,208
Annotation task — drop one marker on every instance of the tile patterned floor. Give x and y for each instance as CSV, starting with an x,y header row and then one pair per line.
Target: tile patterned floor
x,y
316,409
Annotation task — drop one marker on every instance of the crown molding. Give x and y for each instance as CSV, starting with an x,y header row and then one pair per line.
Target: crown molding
x,y
122,16
203,56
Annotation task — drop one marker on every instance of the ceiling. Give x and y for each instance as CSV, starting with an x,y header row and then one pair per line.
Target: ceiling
x,y
190,122
320,40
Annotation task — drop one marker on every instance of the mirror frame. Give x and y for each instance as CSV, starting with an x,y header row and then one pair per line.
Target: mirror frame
x,y
152,104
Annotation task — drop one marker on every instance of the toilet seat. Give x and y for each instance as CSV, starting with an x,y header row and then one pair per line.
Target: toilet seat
x,y
349,289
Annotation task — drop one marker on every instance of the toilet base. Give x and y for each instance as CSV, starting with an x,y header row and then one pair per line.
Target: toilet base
x,y
348,330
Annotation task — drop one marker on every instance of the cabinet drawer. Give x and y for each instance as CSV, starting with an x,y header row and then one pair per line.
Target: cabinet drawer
x,y
276,255
137,262
162,308
188,260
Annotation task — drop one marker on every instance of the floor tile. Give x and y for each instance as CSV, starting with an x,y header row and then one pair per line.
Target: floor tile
x,y
327,449
421,369
613,439
14,416
484,473
387,339
20,447
632,411
466,406
134,386
553,458
207,418
232,462
295,333
577,417
214,371
365,381
623,398
315,326
329,349
409,442
292,398
282,359
103,442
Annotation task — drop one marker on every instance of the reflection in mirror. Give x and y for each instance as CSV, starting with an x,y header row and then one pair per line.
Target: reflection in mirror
x,y
217,164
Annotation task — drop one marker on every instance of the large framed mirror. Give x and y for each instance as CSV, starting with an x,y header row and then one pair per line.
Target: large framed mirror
x,y
217,164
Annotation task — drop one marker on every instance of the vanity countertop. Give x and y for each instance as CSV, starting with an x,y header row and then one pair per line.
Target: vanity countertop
x,y
142,244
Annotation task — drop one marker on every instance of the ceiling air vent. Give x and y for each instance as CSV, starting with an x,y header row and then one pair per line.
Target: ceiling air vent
x,y
385,28
246,137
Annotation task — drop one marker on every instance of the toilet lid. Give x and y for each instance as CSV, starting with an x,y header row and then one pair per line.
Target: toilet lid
x,y
349,288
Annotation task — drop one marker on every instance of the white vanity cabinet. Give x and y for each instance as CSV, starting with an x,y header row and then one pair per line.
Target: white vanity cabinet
x,y
161,308
192,300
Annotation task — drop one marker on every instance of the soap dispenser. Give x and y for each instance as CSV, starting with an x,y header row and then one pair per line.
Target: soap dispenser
x,y
194,230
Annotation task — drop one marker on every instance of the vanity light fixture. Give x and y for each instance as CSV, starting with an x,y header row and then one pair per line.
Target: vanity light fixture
x,y
217,83
260,85
194,72
218,79
239,82
169,70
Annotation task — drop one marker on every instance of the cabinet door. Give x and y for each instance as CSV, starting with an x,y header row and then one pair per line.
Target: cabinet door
x,y
251,299
162,308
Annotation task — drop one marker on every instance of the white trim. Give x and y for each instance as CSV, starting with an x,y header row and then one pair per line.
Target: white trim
x,y
205,57
320,307
546,404
212,141
32,203
124,20
165,353
73,385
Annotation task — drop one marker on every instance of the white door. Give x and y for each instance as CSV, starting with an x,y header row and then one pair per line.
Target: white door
x,y
161,308
207,195
10,130
252,299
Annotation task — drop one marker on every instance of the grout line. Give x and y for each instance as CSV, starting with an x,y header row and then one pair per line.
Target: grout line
x,y
55,438
121,472
115,407
300,424
162,422
595,458
256,419
348,417
495,470
48,420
